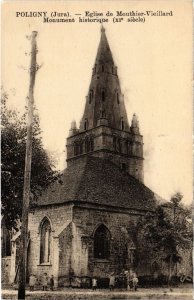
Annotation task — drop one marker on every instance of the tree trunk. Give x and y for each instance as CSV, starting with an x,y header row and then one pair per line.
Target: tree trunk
x,y
170,271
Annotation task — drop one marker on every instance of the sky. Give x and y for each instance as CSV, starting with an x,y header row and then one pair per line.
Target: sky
x,y
154,61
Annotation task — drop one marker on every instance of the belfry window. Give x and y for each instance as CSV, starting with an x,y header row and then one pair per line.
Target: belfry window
x,y
102,242
117,144
45,241
128,147
102,113
89,144
78,147
103,95
90,96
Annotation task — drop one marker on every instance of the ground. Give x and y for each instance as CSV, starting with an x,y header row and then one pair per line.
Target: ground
x,y
175,293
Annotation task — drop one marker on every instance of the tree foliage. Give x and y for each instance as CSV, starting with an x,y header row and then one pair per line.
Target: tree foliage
x,y
166,232
13,149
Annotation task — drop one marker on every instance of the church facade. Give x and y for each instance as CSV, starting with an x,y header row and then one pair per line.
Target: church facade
x,y
84,224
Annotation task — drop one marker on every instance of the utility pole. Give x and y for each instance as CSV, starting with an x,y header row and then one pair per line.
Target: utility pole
x,y
27,174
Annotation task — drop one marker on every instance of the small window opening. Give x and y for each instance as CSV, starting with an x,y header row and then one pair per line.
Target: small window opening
x,y
103,95
123,167
91,145
90,96
114,143
86,124
119,145
87,146
102,68
122,124
102,113
118,101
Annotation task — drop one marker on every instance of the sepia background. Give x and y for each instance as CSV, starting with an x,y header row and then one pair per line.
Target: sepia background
x,y
154,62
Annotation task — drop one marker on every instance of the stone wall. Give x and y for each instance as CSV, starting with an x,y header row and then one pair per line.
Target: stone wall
x,y
119,226
59,217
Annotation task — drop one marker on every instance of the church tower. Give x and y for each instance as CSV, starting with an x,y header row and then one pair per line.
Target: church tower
x,y
104,128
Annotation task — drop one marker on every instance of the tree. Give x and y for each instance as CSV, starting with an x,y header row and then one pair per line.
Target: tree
x,y
167,232
13,147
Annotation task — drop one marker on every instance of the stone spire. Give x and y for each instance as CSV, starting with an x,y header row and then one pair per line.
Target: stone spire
x,y
104,96
104,54
104,129
135,125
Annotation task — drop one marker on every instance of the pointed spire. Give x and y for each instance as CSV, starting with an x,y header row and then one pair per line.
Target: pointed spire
x,y
104,54
73,130
135,124
102,28
73,125
104,102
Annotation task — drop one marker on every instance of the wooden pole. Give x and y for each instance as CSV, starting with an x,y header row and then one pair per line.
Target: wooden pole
x,y
27,173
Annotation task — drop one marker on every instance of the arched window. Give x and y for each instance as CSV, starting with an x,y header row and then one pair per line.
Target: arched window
x,y
75,148
45,240
127,147
89,144
78,147
102,242
119,145
114,143
85,124
90,96
103,95
102,68
102,113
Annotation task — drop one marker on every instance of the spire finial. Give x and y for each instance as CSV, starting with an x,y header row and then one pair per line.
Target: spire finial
x,y
135,122
102,28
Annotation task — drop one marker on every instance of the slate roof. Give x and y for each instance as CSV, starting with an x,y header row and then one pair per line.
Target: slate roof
x,y
98,181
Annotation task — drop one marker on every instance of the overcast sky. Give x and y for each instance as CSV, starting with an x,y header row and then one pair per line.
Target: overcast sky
x,y
154,66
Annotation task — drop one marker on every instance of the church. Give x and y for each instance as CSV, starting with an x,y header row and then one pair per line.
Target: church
x,y
83,224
